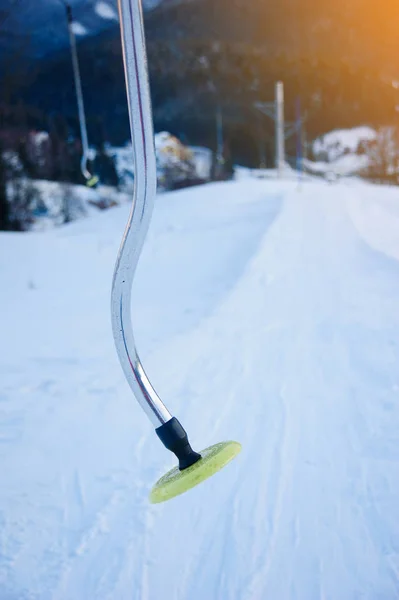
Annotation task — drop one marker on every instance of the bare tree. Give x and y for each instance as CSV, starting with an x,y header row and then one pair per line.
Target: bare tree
x,y
4,204
383,153
23,197
72,206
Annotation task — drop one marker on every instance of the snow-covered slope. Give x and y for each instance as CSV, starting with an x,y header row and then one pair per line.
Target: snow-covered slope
x,y
342,152
263,314
337,143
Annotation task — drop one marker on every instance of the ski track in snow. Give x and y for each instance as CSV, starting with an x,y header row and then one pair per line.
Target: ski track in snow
x,y
263,314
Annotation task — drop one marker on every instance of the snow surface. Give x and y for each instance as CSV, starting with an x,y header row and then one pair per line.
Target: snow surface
x,y
202,159
263,314
242,173
348,164
78,28
106,11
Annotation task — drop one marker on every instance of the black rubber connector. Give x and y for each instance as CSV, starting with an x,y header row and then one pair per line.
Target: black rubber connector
x,y
174,437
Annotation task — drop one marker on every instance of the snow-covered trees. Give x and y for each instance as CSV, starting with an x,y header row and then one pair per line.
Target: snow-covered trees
x,y
383,153
4,206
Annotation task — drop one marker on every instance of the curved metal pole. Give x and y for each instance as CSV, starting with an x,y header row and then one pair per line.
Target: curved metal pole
x,y
145,182
79,95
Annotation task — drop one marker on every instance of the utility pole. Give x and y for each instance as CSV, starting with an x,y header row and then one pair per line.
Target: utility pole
x,y
299,140
304,143
219,140
283,131
280,127
262,152
262,148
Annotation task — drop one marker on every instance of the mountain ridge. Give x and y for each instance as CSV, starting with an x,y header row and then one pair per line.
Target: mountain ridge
x,y
202,52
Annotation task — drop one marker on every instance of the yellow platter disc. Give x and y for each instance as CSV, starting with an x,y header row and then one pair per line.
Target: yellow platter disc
x,y
177,482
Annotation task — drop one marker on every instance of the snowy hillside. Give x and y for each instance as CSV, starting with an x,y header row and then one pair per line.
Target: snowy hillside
x,y
346,152
335,144
342,152
263,314
46,27
357,151
175,161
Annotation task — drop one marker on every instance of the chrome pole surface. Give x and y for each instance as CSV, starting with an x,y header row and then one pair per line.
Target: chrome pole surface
x,y
145,183
79,95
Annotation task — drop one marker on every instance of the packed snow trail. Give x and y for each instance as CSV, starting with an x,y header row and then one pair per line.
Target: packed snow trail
x,y
283,334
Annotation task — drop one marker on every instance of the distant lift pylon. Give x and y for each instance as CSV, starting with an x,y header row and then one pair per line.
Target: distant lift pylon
x,y
91,180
